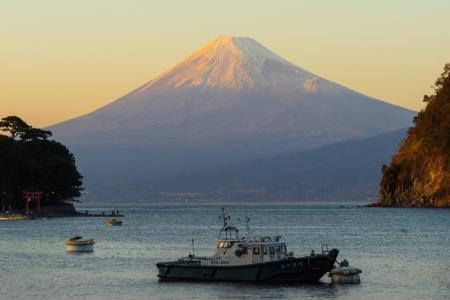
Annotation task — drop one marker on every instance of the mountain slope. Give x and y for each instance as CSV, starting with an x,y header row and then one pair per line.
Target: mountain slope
x,y
348,170
231,101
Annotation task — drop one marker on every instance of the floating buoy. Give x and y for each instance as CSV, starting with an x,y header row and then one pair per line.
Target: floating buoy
x,y
345,273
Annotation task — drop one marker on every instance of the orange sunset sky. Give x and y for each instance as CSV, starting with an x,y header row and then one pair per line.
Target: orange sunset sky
x,y
62,59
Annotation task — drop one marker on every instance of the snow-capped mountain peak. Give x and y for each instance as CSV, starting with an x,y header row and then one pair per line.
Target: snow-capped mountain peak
x,y
236,63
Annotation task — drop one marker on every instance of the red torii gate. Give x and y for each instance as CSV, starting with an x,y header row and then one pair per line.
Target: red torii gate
x,y
32,196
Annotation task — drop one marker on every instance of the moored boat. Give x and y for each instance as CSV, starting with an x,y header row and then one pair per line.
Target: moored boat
x,y
77,244
114,222
254,259
344,273
13,217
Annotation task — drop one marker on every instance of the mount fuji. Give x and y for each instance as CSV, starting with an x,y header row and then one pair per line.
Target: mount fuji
x,y
231,101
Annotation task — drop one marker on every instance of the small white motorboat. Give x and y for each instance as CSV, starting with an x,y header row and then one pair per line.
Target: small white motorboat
x,y
114,222
77,244
13,217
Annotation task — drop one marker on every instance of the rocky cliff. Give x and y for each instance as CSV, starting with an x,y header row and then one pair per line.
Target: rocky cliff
x,y
419,174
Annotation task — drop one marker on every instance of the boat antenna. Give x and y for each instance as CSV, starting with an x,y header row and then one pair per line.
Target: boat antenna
x,y
224,217
193,248
247,221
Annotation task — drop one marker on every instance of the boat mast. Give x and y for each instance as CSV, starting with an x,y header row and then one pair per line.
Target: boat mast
x,y
228,228
247,227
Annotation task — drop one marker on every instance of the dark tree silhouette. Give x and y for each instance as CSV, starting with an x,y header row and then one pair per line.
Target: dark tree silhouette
x,y
14,125
35,134
35,163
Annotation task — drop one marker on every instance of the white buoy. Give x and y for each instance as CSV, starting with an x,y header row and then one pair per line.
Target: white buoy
x,y
345,273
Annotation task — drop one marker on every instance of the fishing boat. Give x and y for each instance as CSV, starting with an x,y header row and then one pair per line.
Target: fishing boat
x,y
252,259
77,244
114,222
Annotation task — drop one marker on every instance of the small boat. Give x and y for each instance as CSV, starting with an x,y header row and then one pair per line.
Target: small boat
x,y
252,259
77,244
345,273
14,217
114,222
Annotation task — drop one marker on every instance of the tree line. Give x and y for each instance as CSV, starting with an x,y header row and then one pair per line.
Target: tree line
x,y
30,161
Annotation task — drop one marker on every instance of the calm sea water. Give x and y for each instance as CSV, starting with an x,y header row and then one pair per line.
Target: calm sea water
x,y
404,253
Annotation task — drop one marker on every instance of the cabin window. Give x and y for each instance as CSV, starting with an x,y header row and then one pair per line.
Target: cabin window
x,y
264,250
244,250
277,249
256,250
283,249
272,250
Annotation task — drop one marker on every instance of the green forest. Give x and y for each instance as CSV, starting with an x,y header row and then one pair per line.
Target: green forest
x,y
31,161
419,174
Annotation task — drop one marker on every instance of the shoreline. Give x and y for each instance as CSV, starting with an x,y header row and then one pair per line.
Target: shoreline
x,y
190,202
56,211
79,210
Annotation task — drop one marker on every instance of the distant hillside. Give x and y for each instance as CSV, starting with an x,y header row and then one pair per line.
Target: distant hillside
x,y
348,171
419,174
231,101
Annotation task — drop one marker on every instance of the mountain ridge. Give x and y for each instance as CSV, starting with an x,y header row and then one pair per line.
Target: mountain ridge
x,y
345,171
223,104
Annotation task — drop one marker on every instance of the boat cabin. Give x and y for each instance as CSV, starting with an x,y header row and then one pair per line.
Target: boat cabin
x,y
232,250
242,251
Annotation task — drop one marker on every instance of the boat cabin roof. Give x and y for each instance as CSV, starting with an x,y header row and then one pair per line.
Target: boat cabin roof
x,y
228,243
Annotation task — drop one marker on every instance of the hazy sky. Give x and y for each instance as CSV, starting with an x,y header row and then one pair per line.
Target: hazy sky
x,y
60,59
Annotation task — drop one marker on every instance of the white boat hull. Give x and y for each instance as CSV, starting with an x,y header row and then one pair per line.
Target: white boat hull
x,y
80,248
345,274
337,278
